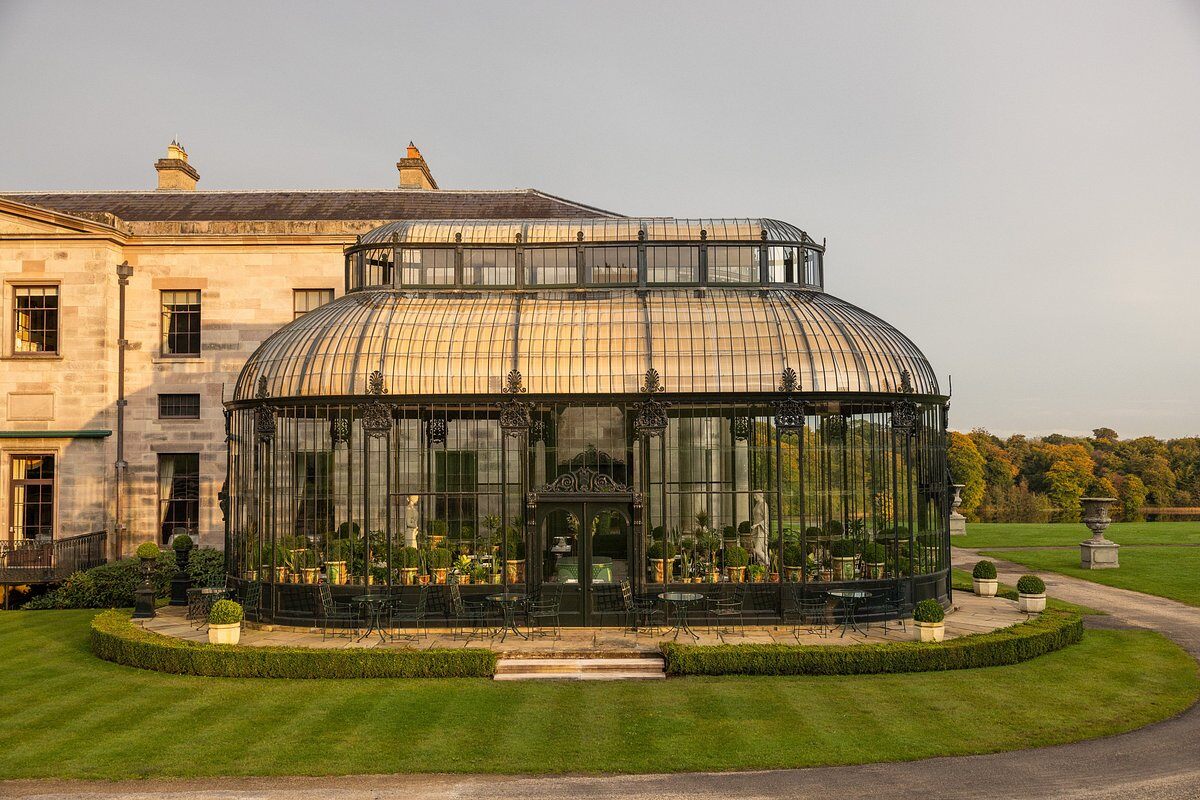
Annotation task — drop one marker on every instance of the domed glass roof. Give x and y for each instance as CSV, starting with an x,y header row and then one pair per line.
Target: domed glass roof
x,y
594,342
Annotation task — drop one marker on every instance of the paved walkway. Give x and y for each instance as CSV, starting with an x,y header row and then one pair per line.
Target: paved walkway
x,y
1160,761
970,614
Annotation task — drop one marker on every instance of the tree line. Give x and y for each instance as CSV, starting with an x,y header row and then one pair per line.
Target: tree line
x,y
1033,479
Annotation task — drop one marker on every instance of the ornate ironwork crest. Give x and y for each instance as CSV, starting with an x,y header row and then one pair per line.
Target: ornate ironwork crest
x,y
584,480
834,428
740,427
376,415
537,430
789,412
435,430
339,430
515,415
264,415
651,418
906,414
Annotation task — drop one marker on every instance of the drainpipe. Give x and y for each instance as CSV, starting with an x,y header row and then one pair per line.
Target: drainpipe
x,y
119,528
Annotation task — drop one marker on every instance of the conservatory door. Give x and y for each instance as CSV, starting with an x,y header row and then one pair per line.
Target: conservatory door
x,y
585,553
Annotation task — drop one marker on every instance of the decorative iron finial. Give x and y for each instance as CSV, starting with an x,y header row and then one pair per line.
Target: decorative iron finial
x,y
788,381
906,386
514,383
261,392
375,383
653,383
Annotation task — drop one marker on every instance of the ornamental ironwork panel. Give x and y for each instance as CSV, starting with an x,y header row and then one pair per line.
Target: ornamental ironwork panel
x,y
339,430
584,480
376,415
651,413
516,416
435,430
740,428
789,412
906,414
264,415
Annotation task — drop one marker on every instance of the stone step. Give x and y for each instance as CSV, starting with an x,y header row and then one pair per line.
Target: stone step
x,y
635,668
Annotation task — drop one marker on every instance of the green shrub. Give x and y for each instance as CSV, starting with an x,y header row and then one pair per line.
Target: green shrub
x,y
206,567
660,550
842,548
439,558
109,585
147,551
514,549
929,540
182,542
874,553
225,612
744,527
985,571
347,530
1031,584
793,555
1051,631
834,527
114,638
410,557
928,610
736,556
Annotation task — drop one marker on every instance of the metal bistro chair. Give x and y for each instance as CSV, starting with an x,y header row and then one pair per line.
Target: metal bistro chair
x,y
252,601
724,612
336,618
891,603
640,613
466,615
404,613
196,613
544,609
811,613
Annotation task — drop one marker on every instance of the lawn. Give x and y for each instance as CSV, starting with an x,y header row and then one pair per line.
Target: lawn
x,y
67,714
1033,534
1172,572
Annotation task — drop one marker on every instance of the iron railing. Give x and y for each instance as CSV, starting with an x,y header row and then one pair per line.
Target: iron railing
x,y
30,561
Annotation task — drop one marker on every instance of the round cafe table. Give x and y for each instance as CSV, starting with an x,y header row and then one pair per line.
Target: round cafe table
x,y
850,600
677,604
372,606
509,602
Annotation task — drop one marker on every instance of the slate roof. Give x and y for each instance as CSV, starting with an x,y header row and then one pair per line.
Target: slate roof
x,y
330,204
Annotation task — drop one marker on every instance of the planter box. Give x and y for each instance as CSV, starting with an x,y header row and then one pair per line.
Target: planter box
x,y
1032,603
985,587
929,631
225,634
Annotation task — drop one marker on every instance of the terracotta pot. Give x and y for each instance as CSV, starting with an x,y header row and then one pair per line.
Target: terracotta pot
x,y
843,568
794,574
408,576
310,574
735,574
514,570
439,575
281,574
659,567
423,580
874,570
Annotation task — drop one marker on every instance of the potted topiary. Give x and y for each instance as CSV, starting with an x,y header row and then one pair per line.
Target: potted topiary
x,y
873,557
984,577
1031,594
410,561
841,552
736,559
756,572
148,551
793,563
182,544
225,622
439,563
143,608
660,554
437,532
929,621
514,561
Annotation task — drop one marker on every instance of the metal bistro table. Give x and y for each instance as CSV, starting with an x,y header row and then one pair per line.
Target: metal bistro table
x,y
849,600
204,600
372,606
677,604
508,602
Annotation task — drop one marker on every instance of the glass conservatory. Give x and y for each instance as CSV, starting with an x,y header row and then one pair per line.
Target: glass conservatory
x,y
585,403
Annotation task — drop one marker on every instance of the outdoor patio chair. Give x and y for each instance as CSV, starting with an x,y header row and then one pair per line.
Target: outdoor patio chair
x,y
335,618
544,609
891,604
413,613
252,601
808,612
640,613
467,618
725,612
196,611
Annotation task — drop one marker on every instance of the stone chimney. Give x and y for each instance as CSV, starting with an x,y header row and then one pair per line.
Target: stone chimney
x,y
414,172
174,172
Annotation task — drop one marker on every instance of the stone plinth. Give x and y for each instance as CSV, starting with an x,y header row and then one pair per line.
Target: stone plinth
x,y
1098,555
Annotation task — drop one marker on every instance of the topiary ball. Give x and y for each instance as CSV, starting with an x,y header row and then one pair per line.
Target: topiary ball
x,y
985,571
225,612
1031,584
182,542
147,551
928,611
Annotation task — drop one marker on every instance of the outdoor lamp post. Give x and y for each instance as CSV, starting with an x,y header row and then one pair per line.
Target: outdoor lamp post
x,y
1097,552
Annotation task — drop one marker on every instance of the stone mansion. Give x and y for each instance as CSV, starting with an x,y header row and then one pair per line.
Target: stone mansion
x,y
127,316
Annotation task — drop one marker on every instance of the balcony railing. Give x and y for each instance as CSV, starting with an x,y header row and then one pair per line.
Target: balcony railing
x,y
34,561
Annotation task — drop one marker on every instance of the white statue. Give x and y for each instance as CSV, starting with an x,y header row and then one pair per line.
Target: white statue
x,y
412,519
758,530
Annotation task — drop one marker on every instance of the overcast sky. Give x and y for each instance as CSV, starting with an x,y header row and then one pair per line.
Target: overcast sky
x,y
1014,185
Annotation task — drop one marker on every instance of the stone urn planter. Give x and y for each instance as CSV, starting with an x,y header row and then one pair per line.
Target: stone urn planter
x,y
985,587
1098,552
929,631
929,621
143,608
225,634
225,622
1031,594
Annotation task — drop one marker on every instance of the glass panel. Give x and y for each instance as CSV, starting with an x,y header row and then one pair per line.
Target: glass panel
x,y
181,323
305,300
610,265
560,547
782,265
489,267
672,264
35,319
427,266
178,494
551,266
610,548
179,406
32,491
733,264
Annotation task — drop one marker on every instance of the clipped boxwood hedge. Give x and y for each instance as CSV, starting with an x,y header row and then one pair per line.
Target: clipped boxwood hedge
x,y
1051,631
116,639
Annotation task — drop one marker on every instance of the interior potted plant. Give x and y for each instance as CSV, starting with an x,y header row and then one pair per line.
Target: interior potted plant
x,y
480,573
514,557
841,553
660,554
1031,594
745,533
793,563
736,559
756,572
463,567
773,571
929,621
439,563
307,563
873,557
410,561
437,532
225,622
984,578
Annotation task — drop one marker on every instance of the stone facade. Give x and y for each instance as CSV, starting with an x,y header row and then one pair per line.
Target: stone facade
x,y
246,271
